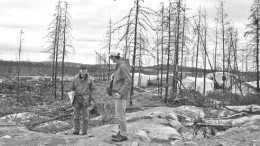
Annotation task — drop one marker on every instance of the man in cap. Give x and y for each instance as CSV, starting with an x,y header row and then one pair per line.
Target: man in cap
x,y
121,92
83,85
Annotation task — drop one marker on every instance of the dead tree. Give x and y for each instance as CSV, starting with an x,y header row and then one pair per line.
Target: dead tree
x,y
183,42
205,50
66,45
198,46
109,46
136,23
168,53
57,49
176,54
160,34
233,53
140,62
63,51
223,27
158,65
253,32
162,48
223,41
216,45
19,60
135,43
54,37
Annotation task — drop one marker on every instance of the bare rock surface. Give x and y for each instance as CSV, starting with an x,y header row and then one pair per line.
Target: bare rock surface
x,y
25,118
52,127
21,136
154,126
158,126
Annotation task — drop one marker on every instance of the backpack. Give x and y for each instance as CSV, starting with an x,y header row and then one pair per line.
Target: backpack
x,y
109,87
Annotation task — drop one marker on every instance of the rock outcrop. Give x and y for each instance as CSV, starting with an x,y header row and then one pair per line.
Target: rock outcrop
x,y
153,127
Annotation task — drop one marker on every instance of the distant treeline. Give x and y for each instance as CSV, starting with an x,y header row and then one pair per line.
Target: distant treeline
x,y
183,69
45,68
35,68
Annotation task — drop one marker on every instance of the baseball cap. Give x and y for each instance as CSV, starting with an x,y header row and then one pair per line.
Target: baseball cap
x,y
114,53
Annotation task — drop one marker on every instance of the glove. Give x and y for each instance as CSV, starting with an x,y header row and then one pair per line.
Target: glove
x,y
92,104
117,95
111,77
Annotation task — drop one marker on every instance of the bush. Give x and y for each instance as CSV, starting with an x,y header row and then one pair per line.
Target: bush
x,y
233,99
248,99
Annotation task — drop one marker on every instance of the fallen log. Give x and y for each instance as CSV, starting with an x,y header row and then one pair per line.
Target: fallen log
x,y
250,109
234,116
49,120
219,127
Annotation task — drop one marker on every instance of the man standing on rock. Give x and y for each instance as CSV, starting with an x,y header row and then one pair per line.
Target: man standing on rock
x,y
83,85
121,92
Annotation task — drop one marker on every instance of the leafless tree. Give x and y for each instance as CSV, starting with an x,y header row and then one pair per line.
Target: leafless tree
x,y
67,39
223,28
19,60
198,30
253,32
176,54
60,38
205,49
138,21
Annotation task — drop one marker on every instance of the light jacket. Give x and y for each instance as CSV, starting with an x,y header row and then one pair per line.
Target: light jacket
x,y
122,81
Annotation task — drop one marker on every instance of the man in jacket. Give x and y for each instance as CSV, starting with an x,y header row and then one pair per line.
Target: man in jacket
x,y
121,92
83,85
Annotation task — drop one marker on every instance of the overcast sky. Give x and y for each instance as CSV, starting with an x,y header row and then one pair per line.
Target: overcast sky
x,y
90,20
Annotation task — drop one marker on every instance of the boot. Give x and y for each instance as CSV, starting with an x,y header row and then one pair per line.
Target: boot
x,y
85,127
119,138
76,126
116,135
84,133
76,133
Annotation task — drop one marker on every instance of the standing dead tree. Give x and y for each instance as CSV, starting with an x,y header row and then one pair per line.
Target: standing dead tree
x,y
198,30
169,19
162,46
216,44
107,47
183,42
67,44
19,60
232,59
205,50
135,43
176,54
176,41
160,32
253,32
158,65
57,47
138,21
223,28
59,38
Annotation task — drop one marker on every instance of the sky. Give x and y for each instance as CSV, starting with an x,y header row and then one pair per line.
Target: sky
x,y
90,21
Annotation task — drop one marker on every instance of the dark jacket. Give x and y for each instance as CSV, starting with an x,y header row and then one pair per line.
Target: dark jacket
x,y
83,87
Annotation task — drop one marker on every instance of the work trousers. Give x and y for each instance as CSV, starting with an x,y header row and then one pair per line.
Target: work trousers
x,y
78,109
120,106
